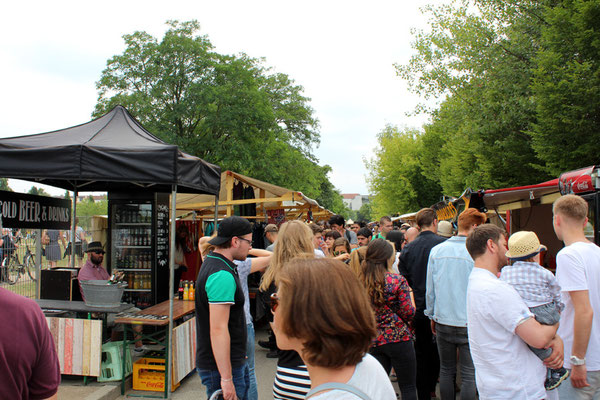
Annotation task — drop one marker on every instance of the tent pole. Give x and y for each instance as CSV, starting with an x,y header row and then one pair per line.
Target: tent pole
x,y
216,212
72,255
170,354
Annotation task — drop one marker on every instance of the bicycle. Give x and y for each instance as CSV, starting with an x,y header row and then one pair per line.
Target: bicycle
x,y
12,268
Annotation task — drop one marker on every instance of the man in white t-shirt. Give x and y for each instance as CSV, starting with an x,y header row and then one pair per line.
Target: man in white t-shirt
x,y
500,326
578,274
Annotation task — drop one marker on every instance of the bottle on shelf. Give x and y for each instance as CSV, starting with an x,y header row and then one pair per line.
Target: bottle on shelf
x,y
186,291
192,294
180,291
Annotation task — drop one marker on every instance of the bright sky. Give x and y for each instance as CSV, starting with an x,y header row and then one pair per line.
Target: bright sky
x,y
342,52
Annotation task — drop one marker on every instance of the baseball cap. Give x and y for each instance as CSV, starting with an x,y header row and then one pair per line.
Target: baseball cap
x,y
271,228
230,227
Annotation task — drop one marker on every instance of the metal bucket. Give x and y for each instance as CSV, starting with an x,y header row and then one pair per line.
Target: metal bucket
x,y
98,293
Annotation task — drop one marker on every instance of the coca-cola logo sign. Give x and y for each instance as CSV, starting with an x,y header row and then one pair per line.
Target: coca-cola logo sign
x,y
579,181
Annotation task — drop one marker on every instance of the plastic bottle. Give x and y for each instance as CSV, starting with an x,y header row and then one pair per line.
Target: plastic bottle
x,y
180,291
192,294
186,291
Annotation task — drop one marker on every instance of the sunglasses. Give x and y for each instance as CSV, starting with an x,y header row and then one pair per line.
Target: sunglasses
x,y
250,242
274,302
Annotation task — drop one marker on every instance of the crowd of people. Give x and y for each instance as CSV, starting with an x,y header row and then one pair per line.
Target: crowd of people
x,y
353,308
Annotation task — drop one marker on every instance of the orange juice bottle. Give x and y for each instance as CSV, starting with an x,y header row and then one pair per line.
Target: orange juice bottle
x,y
192,294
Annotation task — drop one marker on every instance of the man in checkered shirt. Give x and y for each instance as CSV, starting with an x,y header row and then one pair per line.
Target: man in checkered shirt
x,y
538,288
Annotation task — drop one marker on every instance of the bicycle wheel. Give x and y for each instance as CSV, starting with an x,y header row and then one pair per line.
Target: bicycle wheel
x,y
13,272
30,266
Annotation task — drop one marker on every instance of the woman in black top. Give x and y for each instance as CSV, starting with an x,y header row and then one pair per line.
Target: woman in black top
x,y
295,240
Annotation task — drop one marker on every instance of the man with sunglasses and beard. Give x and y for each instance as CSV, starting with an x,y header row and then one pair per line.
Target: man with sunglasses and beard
x,y
220,320
93,270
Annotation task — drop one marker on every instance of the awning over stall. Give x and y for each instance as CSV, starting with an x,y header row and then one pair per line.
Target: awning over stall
x,y
520,196
264,196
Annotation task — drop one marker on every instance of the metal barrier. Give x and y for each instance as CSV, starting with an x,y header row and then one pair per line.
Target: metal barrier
x,y
23,254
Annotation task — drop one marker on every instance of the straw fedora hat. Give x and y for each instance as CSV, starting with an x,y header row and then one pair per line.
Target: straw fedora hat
x,y
445,229
523,245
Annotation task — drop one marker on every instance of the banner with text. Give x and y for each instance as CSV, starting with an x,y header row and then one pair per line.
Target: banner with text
x,y
19,210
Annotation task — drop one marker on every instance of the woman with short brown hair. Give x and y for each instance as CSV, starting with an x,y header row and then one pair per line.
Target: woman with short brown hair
x,y
322,312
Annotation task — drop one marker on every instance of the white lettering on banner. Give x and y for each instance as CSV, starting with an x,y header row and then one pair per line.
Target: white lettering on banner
x,y
9,209
58,214
29,211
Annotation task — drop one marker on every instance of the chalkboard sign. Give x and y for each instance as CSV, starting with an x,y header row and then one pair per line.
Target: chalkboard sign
x,y
162,232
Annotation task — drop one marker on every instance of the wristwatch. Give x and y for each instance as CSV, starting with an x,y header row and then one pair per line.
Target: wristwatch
x,y
577,361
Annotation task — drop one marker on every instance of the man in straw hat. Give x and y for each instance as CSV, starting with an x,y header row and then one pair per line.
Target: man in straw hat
x,y
220,321
500,326
448,272
538,288
578,273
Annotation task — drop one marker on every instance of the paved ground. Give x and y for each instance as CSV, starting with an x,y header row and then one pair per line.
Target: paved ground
x,y
191,387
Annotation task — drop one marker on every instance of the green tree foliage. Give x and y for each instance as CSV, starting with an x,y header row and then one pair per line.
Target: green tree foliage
x,y
88,208
230,110
67,195
38,191
396,177
364,213
478,56
4,185
566,87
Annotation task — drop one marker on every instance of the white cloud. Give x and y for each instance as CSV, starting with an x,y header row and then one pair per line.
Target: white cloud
x,y
342,52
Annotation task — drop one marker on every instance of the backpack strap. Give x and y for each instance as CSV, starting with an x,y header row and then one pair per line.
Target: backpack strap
x,y
338,386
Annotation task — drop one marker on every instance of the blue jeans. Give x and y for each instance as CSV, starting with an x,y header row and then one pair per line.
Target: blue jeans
x,y
252,388
212,380
451,339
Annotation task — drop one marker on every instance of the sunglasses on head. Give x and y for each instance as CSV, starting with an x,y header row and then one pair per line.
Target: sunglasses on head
x,y
274,302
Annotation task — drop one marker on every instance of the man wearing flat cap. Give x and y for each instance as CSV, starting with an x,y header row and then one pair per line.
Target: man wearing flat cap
x,y
220,321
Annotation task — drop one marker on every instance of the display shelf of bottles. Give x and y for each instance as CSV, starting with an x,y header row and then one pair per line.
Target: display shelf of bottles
x,y
141,298
133,224
132,247
133,216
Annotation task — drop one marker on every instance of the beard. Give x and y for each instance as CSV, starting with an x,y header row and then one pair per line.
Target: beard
x,y
96,260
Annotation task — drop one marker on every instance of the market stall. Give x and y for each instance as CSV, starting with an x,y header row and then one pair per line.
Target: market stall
x,y
526,208
252,199
114,154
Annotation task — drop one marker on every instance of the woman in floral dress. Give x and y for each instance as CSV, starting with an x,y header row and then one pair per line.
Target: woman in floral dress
x,y
392,302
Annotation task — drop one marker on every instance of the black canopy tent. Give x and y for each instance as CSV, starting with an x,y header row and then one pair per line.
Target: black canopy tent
x,y
110,153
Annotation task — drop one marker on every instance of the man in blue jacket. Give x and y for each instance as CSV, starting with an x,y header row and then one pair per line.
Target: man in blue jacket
x,y
448,271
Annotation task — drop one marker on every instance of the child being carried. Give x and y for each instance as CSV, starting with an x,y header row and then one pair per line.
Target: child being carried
x,y
538,288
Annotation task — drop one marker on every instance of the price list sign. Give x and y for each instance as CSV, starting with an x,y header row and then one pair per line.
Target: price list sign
x,y
162,235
